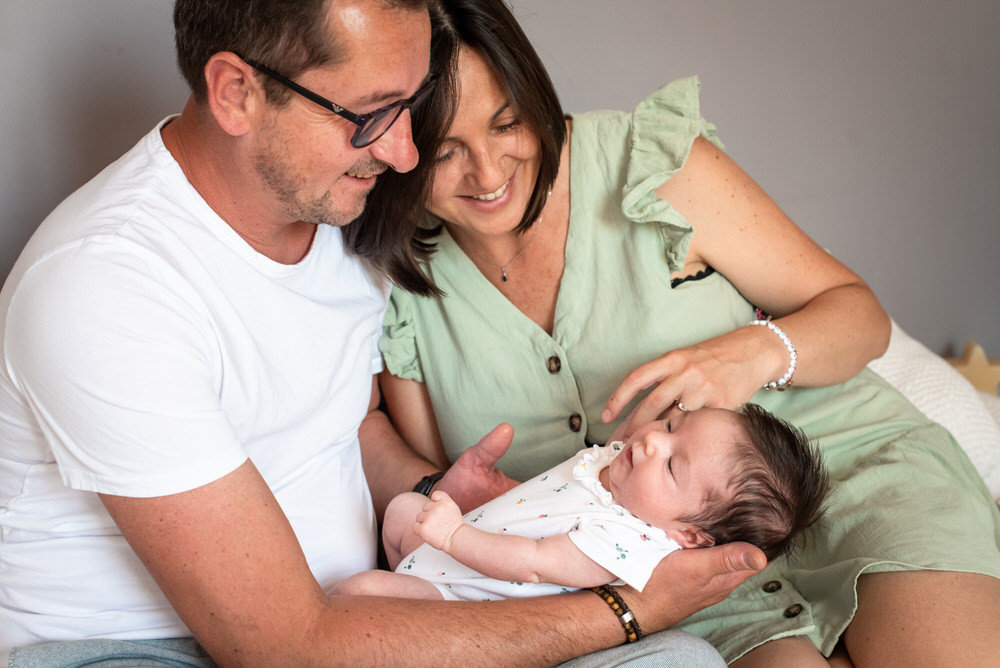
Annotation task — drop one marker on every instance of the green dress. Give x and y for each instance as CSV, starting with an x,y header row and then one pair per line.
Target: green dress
x,y
904,494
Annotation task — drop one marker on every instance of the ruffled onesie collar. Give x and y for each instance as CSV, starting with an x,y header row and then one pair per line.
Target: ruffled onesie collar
x,y
589,464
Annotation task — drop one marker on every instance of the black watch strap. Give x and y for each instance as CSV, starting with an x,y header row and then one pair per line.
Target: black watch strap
x,y
426,483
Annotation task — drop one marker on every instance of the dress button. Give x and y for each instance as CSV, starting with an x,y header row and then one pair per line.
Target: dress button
x,y
553,364
772,586
793,611
575,422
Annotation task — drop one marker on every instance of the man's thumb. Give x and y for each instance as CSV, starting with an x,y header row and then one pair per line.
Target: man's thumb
x,y
494,444
743,557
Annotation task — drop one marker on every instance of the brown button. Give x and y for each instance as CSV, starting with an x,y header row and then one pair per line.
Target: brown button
x,y
793,611
772,586
553,364
575,422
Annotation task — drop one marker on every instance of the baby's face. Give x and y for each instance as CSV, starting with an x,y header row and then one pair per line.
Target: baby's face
x,y
668,467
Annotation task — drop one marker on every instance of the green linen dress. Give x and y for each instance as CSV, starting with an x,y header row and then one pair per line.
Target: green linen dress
x,y
904,495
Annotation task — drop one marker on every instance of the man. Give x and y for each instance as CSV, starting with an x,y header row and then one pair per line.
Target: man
x,y
187,385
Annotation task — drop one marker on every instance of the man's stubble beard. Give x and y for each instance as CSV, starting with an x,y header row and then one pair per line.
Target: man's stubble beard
x,y
279,178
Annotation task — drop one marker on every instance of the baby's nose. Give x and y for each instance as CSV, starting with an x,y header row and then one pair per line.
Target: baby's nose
x,y
654,444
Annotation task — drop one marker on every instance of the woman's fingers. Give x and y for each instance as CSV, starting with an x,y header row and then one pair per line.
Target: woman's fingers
x,y
706,375
634,382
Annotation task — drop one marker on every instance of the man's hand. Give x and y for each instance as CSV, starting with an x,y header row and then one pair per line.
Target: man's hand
x,y
687,581
473,479
438,521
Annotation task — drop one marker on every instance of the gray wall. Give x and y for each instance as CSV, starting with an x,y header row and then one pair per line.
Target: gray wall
x,y
874,123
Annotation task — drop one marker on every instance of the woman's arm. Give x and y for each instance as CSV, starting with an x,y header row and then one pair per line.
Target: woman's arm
x,y
827,311
555,559
412,413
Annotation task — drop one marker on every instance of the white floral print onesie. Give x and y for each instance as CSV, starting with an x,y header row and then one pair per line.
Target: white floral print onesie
x,y
568,499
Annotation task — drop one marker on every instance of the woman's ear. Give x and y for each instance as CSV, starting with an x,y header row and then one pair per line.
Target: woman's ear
x,y
234,94
690,536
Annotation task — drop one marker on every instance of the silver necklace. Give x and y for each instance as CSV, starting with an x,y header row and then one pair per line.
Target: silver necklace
x,y
503,267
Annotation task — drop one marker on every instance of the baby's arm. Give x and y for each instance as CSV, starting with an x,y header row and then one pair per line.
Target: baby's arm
x,y
554,560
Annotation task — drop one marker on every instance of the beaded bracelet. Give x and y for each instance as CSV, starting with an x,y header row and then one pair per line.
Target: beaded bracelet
x,y
618,606
785,381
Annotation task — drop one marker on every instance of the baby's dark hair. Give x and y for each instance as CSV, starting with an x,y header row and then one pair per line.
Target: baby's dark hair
x,y
777,491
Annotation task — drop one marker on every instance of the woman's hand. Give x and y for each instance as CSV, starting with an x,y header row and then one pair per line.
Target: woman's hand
x,y
722,372
474,479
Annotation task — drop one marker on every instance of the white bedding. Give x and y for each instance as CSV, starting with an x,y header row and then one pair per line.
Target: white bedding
x,y
946,397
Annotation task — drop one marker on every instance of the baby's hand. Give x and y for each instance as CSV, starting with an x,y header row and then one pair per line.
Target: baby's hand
x,y
438,521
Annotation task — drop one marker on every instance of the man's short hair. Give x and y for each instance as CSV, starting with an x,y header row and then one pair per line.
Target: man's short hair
x,y
289,36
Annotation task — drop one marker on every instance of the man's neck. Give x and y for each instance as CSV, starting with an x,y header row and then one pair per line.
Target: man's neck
x,y
211,162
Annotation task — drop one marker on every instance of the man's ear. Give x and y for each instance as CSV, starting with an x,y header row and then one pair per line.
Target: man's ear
x,y
234,95
690,536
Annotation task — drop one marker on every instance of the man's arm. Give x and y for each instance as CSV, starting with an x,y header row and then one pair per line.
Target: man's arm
x,y
555,559
226,558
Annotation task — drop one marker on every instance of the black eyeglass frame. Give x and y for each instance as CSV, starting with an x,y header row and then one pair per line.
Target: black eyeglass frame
x,y
370,119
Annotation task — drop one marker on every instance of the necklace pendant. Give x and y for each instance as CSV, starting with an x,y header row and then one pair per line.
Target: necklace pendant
x,y
503,272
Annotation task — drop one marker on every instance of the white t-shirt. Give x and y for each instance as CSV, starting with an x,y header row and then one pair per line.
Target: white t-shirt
x,y
566,499
148,350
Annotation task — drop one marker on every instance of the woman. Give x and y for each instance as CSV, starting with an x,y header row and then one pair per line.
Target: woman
x,y
576,252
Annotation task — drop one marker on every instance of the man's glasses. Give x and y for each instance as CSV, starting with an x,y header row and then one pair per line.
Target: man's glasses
x,y
371,126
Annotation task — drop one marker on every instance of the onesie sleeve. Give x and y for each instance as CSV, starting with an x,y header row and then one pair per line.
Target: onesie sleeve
x,y
399,343
629,549
664,126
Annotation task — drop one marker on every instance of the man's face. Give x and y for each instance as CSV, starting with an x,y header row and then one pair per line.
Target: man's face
x,y
304,156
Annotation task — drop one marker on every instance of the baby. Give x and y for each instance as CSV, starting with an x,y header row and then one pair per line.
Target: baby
x,y
609,514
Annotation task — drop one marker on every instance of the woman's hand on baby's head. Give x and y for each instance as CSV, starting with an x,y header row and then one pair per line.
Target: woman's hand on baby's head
x,y
715,373
438,521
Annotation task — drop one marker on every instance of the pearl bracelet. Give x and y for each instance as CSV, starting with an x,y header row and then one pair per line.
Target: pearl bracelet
x,y
785,381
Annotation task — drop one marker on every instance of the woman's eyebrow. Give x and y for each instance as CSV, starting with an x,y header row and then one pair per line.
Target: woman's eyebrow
x,y
503,107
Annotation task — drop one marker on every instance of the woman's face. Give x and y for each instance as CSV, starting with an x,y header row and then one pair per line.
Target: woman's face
x,y
486,168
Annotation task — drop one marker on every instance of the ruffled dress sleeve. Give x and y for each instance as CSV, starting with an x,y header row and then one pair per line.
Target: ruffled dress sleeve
x,y
399,342
664,126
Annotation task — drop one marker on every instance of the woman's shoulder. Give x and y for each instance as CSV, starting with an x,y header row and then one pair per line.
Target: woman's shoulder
x,y
619,159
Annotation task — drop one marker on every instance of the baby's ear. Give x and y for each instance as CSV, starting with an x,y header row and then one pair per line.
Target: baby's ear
x,y
691,537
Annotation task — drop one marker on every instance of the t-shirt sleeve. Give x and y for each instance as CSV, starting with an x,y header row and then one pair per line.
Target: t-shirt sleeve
x,y
627,549
664,126
122,373
398,343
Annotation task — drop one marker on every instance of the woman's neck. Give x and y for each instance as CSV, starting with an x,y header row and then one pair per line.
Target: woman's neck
x,y
532,262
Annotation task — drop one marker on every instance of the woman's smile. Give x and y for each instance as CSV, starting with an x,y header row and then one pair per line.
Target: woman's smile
x,y
489,197
486,170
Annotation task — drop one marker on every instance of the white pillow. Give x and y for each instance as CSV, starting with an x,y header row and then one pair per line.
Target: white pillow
x,y
946,397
